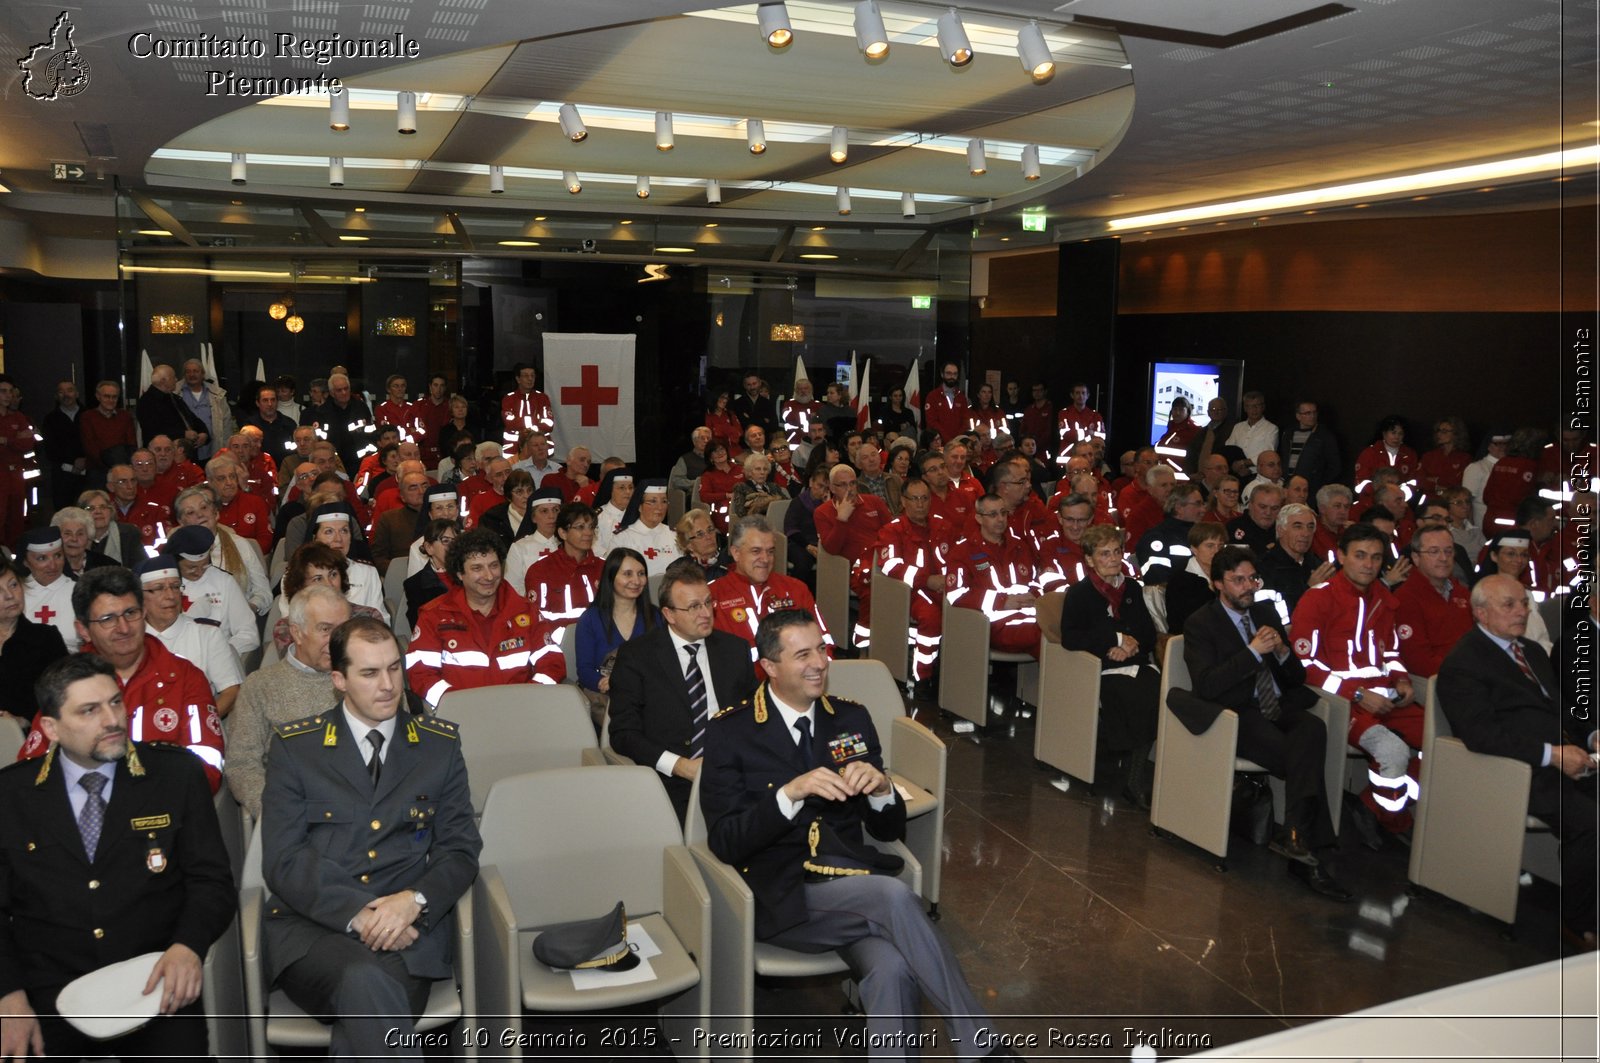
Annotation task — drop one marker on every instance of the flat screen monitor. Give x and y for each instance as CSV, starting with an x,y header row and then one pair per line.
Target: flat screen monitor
x,y
1199,382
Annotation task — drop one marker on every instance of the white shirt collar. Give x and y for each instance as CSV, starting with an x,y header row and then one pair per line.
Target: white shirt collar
x,y
71,773
300,666
790,715
360,729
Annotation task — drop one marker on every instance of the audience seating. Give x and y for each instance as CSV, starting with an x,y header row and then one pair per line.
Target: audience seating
x,y
653,588
280,561
964,688
510,730
914,757
607,754
222,986
394,595
274,1020
677,506
891,624
567,844
833,595
1067,730
269,653
11,738
776,511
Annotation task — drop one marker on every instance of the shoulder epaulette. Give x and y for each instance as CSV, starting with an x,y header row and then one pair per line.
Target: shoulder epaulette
x,y
304,726
736,707
438,725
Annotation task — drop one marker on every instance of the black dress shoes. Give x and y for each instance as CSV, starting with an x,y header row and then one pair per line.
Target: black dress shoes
x,y
1317,880
1364,822
1288,843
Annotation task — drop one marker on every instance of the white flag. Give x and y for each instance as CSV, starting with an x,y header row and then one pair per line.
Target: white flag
x,y
589,378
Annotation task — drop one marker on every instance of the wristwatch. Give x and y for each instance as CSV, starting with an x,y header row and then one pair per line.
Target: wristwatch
x,y
422,901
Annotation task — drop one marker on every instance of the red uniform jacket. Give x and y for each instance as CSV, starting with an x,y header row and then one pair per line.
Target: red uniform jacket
x,y
1074,425
1428,623
739,604
1439,470
561,588
456,647
249,516
1376,457
1346,639
522,410
945,412
797,418
911,552
853,538
1510,481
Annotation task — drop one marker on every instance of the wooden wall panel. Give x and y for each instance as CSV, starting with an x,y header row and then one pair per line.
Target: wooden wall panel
x,y
1023,285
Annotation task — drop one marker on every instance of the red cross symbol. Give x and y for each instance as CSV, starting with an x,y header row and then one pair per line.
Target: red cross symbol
x,y
186,603
652,553
589,396
45,614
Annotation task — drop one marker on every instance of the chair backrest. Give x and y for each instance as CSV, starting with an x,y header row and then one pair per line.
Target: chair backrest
x,y
567,637
280,561
654,586
250,872
11,739
833,594
571,842
1048,610
269,653
509,730
870,683
394,592
694,825
1175,670
1155,602
274,614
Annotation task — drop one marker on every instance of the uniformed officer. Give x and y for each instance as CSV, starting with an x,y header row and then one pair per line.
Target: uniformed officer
x,y
108,850
367,843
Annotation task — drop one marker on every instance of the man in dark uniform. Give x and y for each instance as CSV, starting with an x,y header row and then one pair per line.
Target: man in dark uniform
x,y
108,850
367,843
791,778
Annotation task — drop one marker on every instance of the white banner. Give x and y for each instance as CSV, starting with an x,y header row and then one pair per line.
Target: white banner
x,y
589,378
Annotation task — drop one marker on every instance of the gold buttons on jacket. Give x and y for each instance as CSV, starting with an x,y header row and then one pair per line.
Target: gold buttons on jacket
x,y
372,854
366,878
94,883
376,824
98,933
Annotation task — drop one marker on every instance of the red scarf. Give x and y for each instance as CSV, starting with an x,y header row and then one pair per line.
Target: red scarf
x,y
1111,594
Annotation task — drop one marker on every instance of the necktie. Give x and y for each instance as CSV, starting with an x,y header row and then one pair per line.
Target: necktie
x,y
375,765
808,755
93,816
695,679
1522,662
1266,689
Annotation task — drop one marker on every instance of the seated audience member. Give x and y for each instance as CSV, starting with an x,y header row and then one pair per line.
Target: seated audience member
x,y
545,505
297,685
334,524
533,457
479,633
1344,632
26,647
1389,450
1334,502
874,919
644,527
614,492
1164,548
1289,566
1310,450
1433,610
48,589
1212,470
1442,466
723,422
314,564
621,611
1535,515
697,540
751,590
1389,495
207,594
433,579
658,719
1060,553
1507,555
1269,470
1105,615
954,505
560,586
1257,526
1181,430
109,536
1467,532
692,464
513,518
1224,506
1237,653
1297,490
197,506
248,515
1436,511
76,528
1190,588
957,455
395,531
1510,480
201,644
150,518
911,549
717,483
753,494
485,496
995,571
1008,480
848,523
1498,690
800,525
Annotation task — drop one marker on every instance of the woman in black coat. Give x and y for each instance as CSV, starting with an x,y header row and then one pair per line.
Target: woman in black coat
x,y
513,518
1104,614
1187,590
26,648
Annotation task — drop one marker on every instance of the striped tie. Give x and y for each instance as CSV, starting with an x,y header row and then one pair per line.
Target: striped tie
x,y
1522,662
93,816
696,681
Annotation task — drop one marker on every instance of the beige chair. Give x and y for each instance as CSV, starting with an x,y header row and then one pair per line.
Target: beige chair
x,y
914,757
891,624
280,561
833,594
518,728
272,1018
963,680
12,735
1472,835
1068,726
394,595
607,754
653,585
739,956
222,974
268,654
776,511
616,837
677,506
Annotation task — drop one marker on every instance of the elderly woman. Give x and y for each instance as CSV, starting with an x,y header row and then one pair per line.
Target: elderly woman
x,y
513,518
753,494
611,502
1104,614
335,525
77,532
117,540
1190,588
644,527
229,553
313,565
697,538
25,647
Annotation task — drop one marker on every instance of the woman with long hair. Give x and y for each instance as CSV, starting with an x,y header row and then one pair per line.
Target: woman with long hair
x,y
620,611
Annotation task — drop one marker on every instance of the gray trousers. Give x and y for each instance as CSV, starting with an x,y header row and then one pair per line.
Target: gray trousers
x,y
369,997
898,956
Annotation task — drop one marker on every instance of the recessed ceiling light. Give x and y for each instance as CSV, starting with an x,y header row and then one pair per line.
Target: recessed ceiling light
x,y
625,221
819,228
676,250
355,239
154,232
519,243
1363,206
237,202
815,255
1488,188
538,217
361,210
711,224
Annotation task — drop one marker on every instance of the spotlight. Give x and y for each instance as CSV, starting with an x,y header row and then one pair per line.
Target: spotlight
x,y
236,173
871,36
839,144
1034,52
1030,162
953,40
713,191
663,131
336,171
573,184
571,124
497,179
975,161
641,187
339,110
844,200
908,205
773,21
405,109
755,134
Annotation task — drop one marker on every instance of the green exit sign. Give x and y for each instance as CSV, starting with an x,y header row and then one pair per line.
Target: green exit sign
x,y
1033,223
922,302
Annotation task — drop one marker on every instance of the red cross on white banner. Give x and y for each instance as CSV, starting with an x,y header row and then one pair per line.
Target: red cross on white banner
x,y
589,378
589,396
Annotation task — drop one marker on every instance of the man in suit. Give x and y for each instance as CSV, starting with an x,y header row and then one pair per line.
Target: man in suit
x,y
80,889
1238,657
792,778
367,843
1498,691
658,719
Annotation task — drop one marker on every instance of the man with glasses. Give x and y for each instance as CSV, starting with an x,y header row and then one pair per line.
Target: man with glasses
x,y
1434,609
1313,452
166,697
911,549
151,520
202,645
669,681
1060,553
995,572
245,513
1025,513
109,536
848,522
106,430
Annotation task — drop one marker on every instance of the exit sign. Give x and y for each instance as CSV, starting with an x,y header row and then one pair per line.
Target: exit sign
x,y
921,302
1033,223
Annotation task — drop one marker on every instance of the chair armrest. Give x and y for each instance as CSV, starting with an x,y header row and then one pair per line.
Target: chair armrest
x,y
251,901
613,757
591,757
466,959
686,902
498,984
919,755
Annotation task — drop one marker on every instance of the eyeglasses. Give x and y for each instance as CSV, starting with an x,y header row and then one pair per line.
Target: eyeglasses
x,y
991,513
1252,581
132,614
119,480
702,606
1437,551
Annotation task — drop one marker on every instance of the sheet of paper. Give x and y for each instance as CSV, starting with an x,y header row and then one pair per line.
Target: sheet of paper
x,y
643,946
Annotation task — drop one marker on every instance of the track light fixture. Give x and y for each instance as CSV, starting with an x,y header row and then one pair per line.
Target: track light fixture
x,y
497,179
755,135
871,36
571,124
953,42
573,184
1030,162
713,191
1034,52
405,112
663,131
773,22
975,160
908,205
641,187
339,110
336,171
839,144
236,171
843,197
